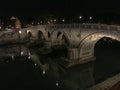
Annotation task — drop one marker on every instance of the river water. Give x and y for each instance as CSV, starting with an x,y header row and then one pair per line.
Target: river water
x,y
22,68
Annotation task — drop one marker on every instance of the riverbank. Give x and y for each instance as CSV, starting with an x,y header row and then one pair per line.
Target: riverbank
x,y
108,84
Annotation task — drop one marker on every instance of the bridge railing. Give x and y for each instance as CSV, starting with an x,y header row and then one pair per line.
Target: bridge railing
x,y
86,26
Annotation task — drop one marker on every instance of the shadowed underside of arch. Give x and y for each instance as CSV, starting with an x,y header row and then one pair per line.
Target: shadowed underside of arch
x,y
87,45
60,38
30,36
40,36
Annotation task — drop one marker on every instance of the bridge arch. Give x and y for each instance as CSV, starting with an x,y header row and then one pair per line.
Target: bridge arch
x,y
87,45
42,32
58,34
49,35
37,31
60,37
29,36
40,36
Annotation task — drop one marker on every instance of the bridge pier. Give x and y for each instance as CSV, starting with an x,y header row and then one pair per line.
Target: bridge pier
x,y
73,54
47,44
75,58
87,54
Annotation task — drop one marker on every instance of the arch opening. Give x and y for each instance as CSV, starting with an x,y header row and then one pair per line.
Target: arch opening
x,y
61,48
30,36
40,36
107,60
58,34
65,40
49,35
106,41
88,44
61,38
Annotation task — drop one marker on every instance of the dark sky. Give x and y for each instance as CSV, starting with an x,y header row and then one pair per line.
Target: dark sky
x,y
58,7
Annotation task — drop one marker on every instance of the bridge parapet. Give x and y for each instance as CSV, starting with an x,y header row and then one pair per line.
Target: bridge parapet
x,y
63,26
84,26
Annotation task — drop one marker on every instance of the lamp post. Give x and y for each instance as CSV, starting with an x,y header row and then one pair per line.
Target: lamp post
x,y
80,18
90,18
63,20
20,32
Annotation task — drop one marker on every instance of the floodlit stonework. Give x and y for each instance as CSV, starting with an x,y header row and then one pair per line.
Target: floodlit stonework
x,y
79,39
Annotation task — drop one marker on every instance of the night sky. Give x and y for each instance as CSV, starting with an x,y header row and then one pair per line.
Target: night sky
x,y
58,7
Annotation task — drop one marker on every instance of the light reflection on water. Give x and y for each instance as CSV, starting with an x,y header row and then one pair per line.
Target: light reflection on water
x,y
23,68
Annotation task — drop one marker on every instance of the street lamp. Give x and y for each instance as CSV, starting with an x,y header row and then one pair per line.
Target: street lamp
x,y
21,53
32,23
80,17
43,72
90,17
54,20
63,20
20,32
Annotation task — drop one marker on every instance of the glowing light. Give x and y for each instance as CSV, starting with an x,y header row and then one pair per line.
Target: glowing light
x,y
63,20
29,57
12,57
20,32
48,22
32,23
57,84
21,53
90,17
35,64
54,20
28,31
43,71
80,17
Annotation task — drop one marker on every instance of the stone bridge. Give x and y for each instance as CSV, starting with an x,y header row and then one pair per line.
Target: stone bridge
x,y
80,39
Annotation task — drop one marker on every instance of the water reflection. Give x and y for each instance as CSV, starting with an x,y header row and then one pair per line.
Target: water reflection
x,y
23,68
